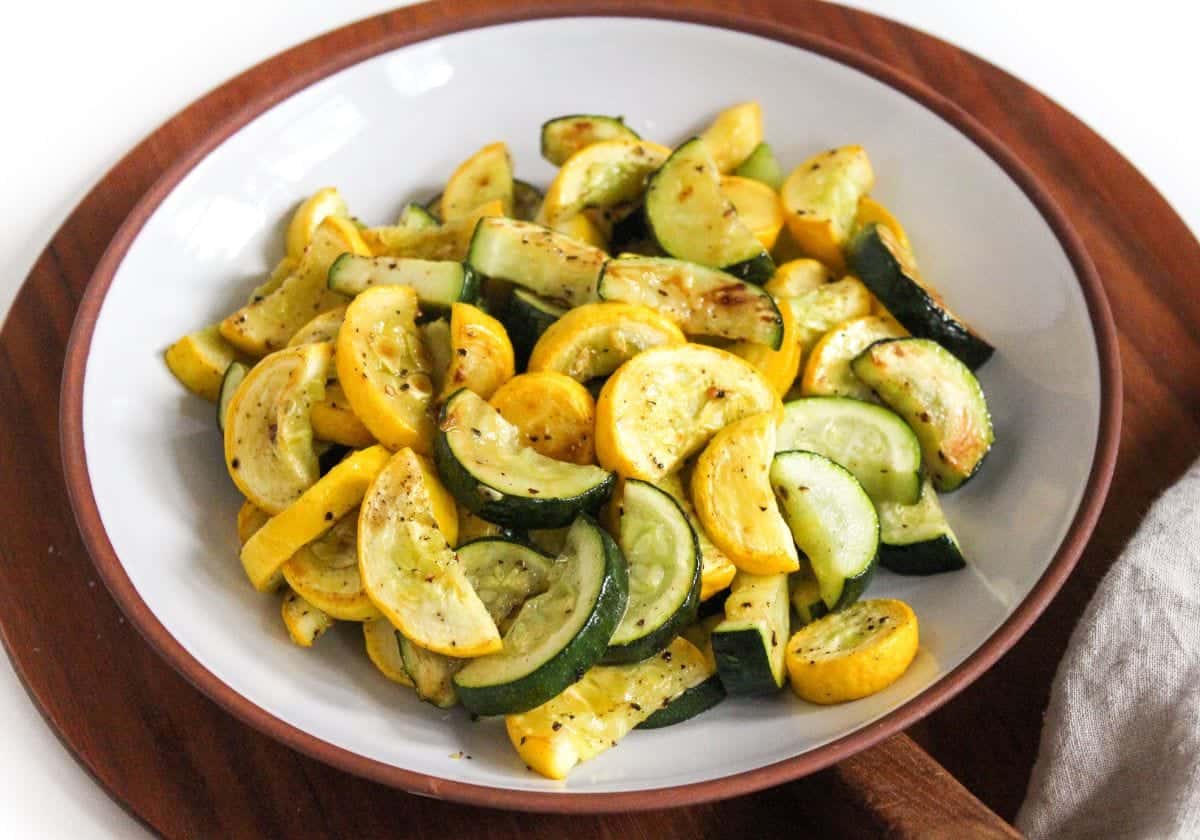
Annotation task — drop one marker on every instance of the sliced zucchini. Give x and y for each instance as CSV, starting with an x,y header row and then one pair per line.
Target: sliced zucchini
x,y
383,649
491,472
268,323
484,176
870,210
549,264
602,175
853,653
309,215
762,166
549,540
757,206
481,356
564,136
333,496
941,400
438,283
666,403
591,341
805,592
872,442
820,200
702,301
234,374
435,336
833,522
505,573
449,241
416,217
268,428
527,200
408,568
734,501
558,635
717,570
734,135
325,573
886,267
324,327
595,713
432,674
917,539
526,316
554,413
200,360
691,218
749,644
663,558
828,373
706,692
384,367
795,278
304,622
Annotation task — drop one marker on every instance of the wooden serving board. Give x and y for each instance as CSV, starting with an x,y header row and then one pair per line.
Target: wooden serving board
x,y
187,769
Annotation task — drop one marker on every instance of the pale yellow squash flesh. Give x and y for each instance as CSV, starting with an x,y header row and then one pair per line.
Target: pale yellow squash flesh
x,y
335,421
827,372
716,569
781,366
305,623
268,428
199,359
383,649
798,277
757,206
555,415
593,340
323,327
409,570
822,309
309,215
481,354
602,175
325,573
485,176
449,241
734,134
731,490
820,201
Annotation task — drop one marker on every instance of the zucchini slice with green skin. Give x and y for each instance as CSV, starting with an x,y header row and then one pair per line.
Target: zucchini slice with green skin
x,y
558,635
432,674
941,400
916,539
526,316
663,557
762,166
702,301
416,217
564,136
547,263
870,441
234,374
504,573
488,469
438,283
878,258
833,522
749,644
691,218
527,200
705,690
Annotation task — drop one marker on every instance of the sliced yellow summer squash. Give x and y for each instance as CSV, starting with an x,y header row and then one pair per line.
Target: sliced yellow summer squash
x,y
305,623
827,372
870,210
822,309
408,568
820,201
781,366
250,517
485,176
268,428
602,175
593,340
325,573
798,277
444,242
335,421
383,649
481,354
555,414
198,361
757,206
324,327
734,134
734,501
309,215
337,493
666,403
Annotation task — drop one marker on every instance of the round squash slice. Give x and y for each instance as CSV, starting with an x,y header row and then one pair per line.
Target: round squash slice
x,y
314,209
481,355
554,413
593,340
325,573
602,175
757,206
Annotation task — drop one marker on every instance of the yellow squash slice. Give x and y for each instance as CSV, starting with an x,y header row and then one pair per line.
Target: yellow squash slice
x,y
270,322
593,340
757,206
384,368
666,403
554,414
198,361
602,175
716,569
445,242
268,429
581,227
599,710
383,649
825,307
323,327
332,418
870,210
337,493
250,517
798,277
827,372
820,201
853,653
472,527
481,354
408,568
781,366
485,176
325,573
734,501
305,623
309,215
734,134
282,271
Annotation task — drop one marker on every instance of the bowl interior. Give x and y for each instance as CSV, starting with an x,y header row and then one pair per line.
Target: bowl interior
x,y
391,129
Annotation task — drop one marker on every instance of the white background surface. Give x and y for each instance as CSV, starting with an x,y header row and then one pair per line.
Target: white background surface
x,y
112,72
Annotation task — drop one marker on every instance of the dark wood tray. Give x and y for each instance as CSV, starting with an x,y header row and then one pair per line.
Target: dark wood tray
x,y
186,768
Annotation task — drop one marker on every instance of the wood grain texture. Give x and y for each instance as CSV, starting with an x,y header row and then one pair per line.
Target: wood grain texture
x,y
188,769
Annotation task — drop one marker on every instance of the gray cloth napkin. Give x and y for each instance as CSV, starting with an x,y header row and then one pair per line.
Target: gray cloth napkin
x,y
1120,751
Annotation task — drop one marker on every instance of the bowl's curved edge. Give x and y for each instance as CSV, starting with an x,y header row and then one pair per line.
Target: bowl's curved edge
x,y
376,40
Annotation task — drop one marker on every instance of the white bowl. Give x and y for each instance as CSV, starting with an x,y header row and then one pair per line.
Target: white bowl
x,y
144,458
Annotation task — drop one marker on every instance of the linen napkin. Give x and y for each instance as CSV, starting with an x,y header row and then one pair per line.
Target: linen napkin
x,y
1120,749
